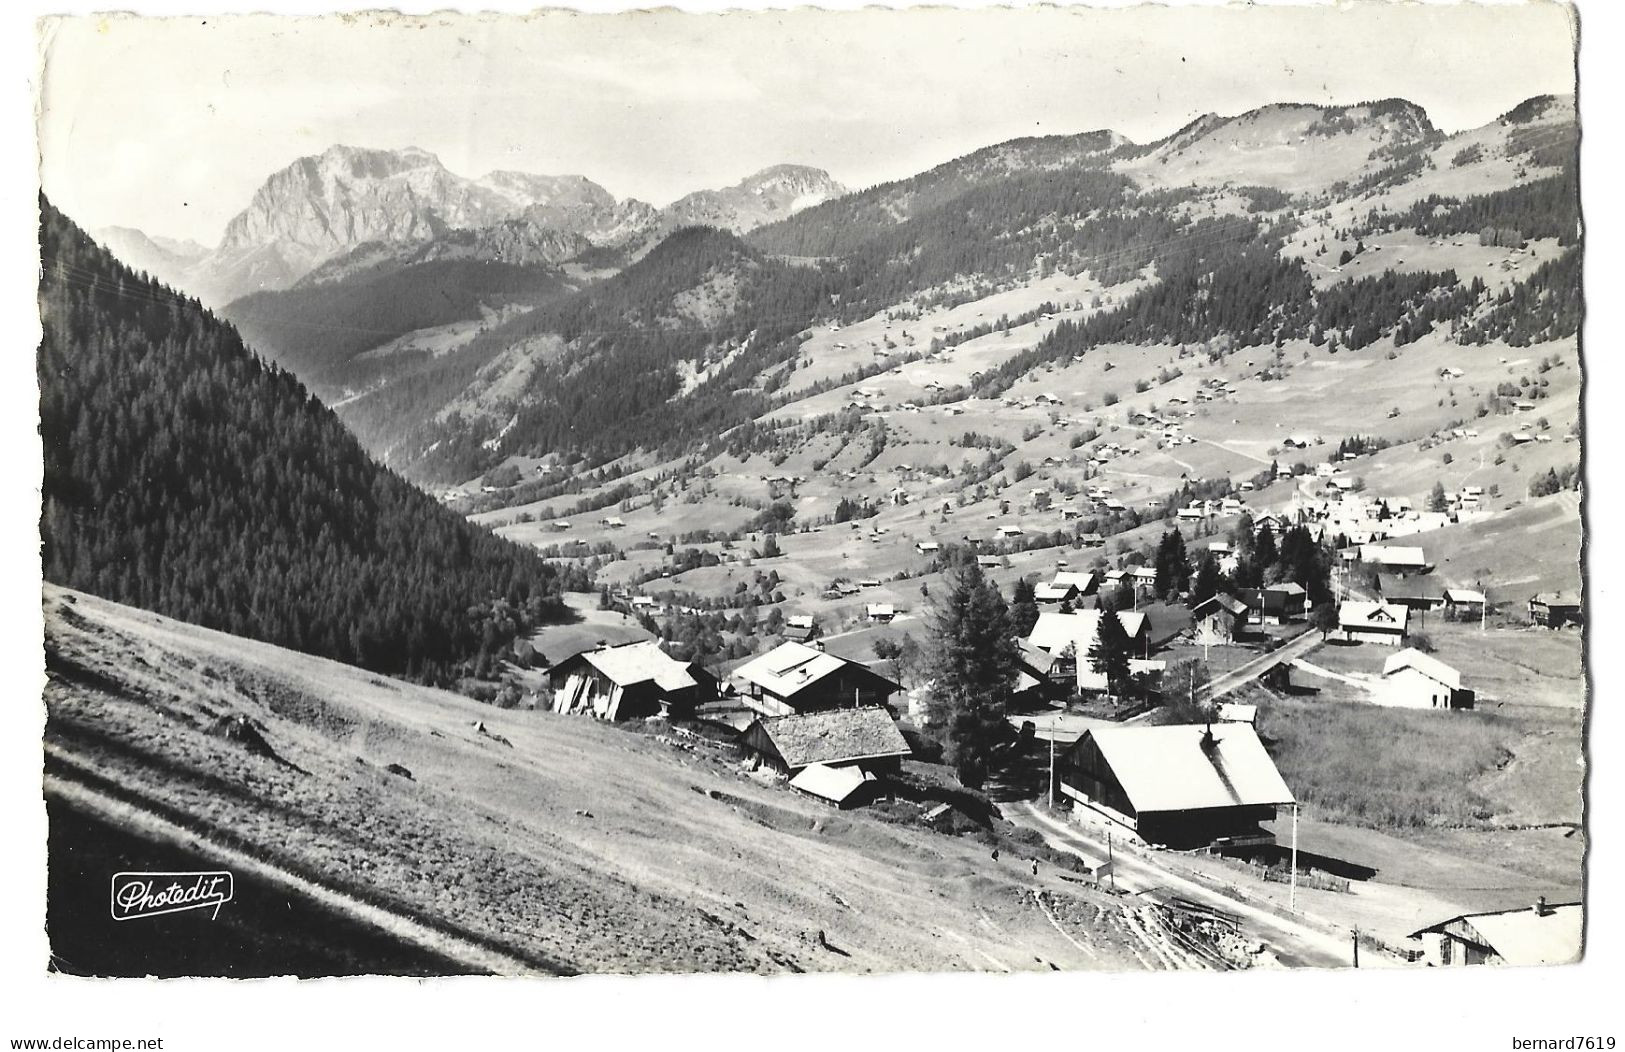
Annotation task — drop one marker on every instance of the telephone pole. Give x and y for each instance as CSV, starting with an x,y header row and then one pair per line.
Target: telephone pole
x,y
1053,728
1292,886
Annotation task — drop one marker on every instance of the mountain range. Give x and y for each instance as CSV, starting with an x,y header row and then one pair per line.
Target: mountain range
x,y
354,208
456,322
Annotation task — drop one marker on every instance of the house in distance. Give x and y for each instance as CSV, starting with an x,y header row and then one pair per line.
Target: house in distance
x,y
795,678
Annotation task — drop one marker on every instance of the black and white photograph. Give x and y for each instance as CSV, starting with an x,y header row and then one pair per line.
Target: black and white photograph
x,y
910,491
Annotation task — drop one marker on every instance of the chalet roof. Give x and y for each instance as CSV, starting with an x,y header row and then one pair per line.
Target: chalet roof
x,y
1422,586
835,736
1054,593
1081,579
1392,555
1054,630
633,663
1291,588
1429,666
1463,595
1525,936
800,633
835,784
1228,603
1235,712
790,668
1170,769
1372,615
1557,599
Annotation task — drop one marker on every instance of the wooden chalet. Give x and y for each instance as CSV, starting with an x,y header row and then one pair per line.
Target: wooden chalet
x,y
1555,609
1178,785
1218,619
795,678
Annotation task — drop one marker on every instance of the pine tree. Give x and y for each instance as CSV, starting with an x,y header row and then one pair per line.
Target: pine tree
x,y
1173,565
1023,608
1109,653
1437,500
976,667
1208,580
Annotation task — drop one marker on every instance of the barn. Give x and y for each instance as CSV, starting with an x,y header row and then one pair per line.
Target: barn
x,y
1179,785
795,677
629,681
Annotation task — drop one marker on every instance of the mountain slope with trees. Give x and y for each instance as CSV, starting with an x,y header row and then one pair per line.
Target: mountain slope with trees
x,y
186,475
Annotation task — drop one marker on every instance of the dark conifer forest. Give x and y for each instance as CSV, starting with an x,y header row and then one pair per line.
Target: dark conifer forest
x,y
185,475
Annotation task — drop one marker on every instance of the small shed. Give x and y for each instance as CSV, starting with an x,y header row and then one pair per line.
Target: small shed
x,y
844,787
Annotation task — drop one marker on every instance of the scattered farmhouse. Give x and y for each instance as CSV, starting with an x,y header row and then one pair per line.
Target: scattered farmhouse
x,y
628,681
1414,680
1541,934
795,678
1085,582
1051,594
1555,609
799,628
879,613
1181,785
1360,622
1464,602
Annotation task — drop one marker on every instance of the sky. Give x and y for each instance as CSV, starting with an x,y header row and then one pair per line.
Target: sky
x,y
170,125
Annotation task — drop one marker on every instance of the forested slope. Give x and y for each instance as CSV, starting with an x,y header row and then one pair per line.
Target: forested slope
x,y
185,475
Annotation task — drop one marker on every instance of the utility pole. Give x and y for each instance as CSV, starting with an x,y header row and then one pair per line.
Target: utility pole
x,y
1355,932
1292,886
1111,867
1053,728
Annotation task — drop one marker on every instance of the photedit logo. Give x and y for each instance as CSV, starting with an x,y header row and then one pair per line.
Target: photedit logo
x,y
153,894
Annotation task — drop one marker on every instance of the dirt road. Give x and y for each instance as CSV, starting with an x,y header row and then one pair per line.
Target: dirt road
x,y
1236,678
1294,942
